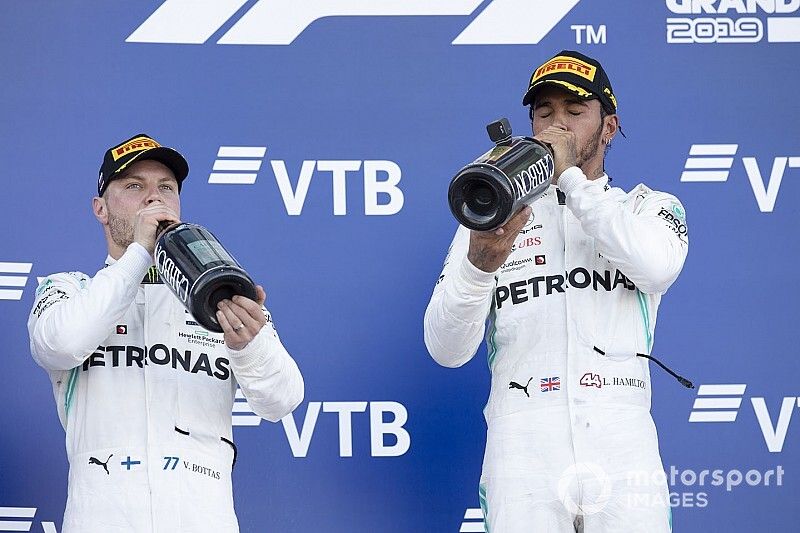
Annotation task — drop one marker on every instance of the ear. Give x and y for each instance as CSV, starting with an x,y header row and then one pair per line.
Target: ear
x,y
100,210
610,127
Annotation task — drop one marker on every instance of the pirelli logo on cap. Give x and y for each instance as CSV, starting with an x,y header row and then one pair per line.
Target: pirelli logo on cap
x,y
134,145
565,64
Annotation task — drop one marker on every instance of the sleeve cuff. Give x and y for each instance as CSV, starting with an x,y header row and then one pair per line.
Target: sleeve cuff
x,y
134,262
473,276
254,354
141,251
570,179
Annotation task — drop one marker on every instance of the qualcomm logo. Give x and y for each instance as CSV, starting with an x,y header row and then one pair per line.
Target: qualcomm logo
x,y
386,419
280,22
239,165
713,163
716,27
21,519
473,521
721,403
11,286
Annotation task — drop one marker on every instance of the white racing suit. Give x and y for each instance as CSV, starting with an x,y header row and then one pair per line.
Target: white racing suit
x,y
570,441
145,396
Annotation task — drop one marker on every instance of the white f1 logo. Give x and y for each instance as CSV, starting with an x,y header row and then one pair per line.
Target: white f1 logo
x,y
280,22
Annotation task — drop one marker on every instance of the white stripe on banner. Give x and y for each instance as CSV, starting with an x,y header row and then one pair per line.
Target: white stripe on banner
x,y
13,281
703,162
8,294
280,23
17,512
237,164
705,175
15,268
535,19
474,514
783,30
246,420
722,390
713,149
472,527
242,151
15,526
717,403
241,407
239,393
185,21
242,179
713,416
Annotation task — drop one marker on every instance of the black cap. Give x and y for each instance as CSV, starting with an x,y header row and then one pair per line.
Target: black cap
x,y
576,73
140,147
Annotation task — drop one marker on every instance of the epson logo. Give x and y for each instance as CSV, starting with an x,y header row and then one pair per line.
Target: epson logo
x,y
530,178
280,22
171,274
678,225
716,27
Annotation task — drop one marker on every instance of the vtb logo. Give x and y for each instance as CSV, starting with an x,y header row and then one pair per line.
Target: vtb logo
x,y
240,165
388,435
721,403
713,163
280,22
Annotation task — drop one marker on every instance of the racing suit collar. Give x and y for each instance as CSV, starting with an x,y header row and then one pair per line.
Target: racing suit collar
x,y
151,277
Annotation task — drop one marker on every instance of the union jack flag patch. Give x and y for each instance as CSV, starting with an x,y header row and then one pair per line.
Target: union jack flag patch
x,y
549,384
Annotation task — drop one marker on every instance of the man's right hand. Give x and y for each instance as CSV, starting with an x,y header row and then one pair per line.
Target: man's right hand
x,y
488,250
147,221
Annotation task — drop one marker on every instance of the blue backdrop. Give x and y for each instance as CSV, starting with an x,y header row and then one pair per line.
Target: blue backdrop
x,y
399,92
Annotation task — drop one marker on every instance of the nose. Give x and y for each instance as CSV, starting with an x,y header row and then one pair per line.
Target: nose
x,y
153,195
559,121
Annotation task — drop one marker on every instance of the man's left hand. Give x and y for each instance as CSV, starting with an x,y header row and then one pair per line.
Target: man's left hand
x,y
565,150
241,319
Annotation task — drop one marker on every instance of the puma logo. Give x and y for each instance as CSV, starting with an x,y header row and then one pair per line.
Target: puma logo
x,y
95,461
515,385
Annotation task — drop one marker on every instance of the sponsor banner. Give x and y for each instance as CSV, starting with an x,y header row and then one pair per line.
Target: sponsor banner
x,y
321,138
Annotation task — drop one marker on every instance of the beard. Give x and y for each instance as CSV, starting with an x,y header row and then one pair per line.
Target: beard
x,y
589,150
121,230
